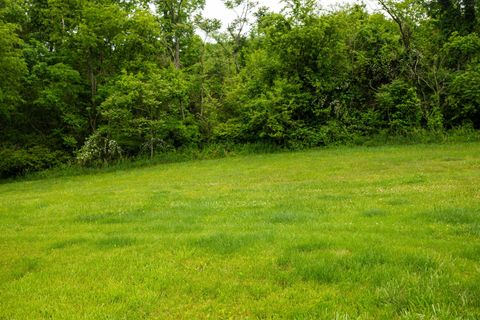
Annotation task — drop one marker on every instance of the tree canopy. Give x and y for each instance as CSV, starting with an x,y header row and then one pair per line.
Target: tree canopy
x,y
92,81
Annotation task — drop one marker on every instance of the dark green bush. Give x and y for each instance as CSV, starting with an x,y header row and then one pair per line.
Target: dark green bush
x,y
464,98
400,106
15,161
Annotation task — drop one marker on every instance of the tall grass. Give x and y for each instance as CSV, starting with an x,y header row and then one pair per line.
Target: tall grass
x,y
223,150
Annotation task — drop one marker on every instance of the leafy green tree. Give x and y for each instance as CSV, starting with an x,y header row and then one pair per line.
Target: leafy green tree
x,y
12,70
141,43
176,18
400,106
144,113
454,15
95,50
238,28
55,110
464,98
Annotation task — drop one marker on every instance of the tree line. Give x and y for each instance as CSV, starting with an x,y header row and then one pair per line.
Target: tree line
x,y
93,81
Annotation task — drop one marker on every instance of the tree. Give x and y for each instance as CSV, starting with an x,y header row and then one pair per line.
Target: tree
x,y
464,98
454,15
176,19
400,106
146,112
238,28
12,70
208,27
56,111
95,49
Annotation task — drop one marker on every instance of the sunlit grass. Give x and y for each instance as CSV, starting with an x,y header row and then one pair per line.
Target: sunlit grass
x,y
346,233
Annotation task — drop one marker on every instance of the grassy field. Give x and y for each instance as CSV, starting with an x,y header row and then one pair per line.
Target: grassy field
x,y
345,233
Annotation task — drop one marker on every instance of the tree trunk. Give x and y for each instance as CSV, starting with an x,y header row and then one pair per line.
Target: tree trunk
x,y
93,93
176,60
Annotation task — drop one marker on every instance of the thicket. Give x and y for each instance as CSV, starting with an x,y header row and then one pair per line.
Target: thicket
x,y
94,81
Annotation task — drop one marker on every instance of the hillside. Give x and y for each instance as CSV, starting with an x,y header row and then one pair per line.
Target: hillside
x,y
341,233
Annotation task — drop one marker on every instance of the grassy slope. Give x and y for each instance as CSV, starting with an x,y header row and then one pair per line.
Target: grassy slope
x,y
391,232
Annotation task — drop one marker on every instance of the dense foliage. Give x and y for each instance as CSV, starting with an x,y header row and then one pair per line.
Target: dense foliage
x,y
98,80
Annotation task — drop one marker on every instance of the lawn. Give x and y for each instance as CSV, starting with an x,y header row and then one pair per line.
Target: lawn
x,y
342,233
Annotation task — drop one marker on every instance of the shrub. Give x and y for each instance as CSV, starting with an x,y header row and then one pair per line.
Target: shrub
x,y
464,99
400,106
19,161
98,150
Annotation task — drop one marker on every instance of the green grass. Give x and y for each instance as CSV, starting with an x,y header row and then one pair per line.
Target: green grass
x,y
342,233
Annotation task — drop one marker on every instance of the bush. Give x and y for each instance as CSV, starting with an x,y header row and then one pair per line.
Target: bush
x,y
400,106
464,99
332,133
98,150
15,161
